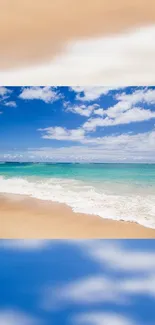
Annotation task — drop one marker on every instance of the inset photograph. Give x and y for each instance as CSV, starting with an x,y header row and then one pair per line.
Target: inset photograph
x,y
77,162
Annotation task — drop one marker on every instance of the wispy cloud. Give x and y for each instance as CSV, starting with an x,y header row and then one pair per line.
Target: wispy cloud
x,y
118,257
23,244
125,147
82,110
101,318
136,114
5,94
11,317
60,133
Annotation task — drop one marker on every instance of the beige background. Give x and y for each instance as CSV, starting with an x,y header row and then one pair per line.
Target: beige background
x,y
32,31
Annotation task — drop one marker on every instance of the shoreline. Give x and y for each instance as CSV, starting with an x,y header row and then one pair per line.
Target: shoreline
x,y
25,217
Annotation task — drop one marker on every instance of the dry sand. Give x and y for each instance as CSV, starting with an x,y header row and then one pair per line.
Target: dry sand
x,y
23,217
34,31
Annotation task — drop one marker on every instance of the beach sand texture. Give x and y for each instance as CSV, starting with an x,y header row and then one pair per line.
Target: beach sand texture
x,y
23,217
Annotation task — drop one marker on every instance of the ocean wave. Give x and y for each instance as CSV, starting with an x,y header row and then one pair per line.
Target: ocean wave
x,y
85,198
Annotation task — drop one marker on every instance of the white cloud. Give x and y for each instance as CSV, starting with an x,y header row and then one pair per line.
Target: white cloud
x,y
142,95
23,244
113,255
59,133
85,291
46,94
141,142
4,96
132,115
136,276
101,318
121,59
4,91
11,104
11,317
141,285
82,110
90,93
96,289
124,111
115,148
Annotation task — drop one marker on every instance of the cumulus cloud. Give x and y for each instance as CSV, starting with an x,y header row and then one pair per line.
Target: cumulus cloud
x,y
125,111
60,133
136,114
46,94
90,93
145,95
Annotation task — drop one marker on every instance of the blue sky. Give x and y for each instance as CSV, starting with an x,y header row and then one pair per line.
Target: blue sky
x,y
85,282
77,124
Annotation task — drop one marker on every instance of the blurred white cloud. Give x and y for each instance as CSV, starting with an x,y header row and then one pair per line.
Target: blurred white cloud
x,y
24,244
136,269
122,59
99,318
115,256
12,317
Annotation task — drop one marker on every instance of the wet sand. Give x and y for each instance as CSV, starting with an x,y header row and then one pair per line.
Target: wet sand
x,y
35,31
23,217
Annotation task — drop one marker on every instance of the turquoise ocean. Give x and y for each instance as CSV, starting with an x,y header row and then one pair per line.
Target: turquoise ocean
x,y
114,191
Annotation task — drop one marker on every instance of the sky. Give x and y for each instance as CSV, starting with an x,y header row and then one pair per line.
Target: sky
x,y
85,282
77,124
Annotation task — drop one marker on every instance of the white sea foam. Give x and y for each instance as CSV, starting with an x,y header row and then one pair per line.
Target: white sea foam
x,y
86,198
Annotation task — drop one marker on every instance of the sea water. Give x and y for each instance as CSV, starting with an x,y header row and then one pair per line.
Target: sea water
x,y
114,191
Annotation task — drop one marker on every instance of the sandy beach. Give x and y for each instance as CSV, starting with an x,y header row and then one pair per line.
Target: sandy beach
x,y
37,30
24,217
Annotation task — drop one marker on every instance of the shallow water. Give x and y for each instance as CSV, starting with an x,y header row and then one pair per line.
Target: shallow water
x,y
114,191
